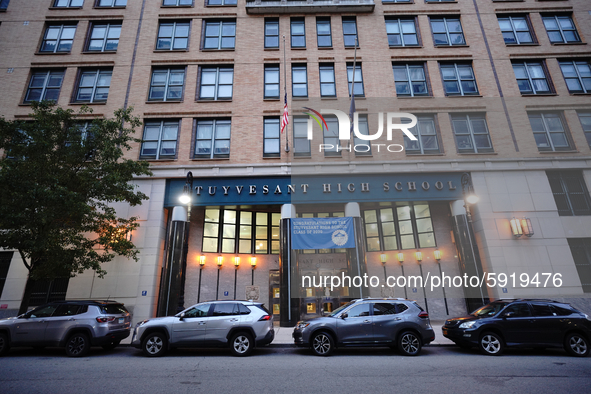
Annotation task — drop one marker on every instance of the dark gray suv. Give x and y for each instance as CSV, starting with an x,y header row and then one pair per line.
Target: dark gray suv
x,y
75,325
397,323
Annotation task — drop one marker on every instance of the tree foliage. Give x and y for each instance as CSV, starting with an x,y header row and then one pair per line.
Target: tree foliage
x,y
57,180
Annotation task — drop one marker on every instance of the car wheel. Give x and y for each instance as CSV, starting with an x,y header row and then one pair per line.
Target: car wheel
x,y
77,345
4,344
241,344
409,343
322,344
491,344
576,345
154,344
111,346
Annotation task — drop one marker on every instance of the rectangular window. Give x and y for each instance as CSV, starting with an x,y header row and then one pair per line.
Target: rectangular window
x,y
271,33
160,139
58,38
301,143
396,1
271,81
350,31
323,32
570,193
549,131
212,139
216,83
581,251
68,3
577,75
561,29
402,32
167,84
93,86
439,1
5,259
405,226
327,81
48,290
331,136
220,34
585,118
458,79
271,135
362,147
299,80
358,79
221,2
104,37
516,30
410,80
173,36
426,133
471,133
531,77
298,33
45,85
177,3
111,3
447,31
240,231
3,7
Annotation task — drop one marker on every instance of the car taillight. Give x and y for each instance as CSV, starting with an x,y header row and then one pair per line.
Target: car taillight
x,y
105,319
423,315
266,317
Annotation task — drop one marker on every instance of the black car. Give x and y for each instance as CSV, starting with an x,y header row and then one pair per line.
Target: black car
x,y
522,323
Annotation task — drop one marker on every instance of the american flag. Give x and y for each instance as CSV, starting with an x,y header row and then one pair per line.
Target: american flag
x,y
285,118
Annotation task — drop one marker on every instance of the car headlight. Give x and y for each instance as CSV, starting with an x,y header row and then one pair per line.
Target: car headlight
x,y
302,324
467,324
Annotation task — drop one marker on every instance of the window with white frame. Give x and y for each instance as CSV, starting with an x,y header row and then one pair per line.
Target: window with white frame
x,y
331,136
516,29
358,79
410,79
362,147
44,85
425,132
104,37
111,3
561,29
402,32
173,35
271,137
458,79
350,31
212,138
93,86
397,1
58,38
447,31
68,3
271,33
299,80
531,77
220,34
271,81
177,3
471,133
323,32
160,139
167,84
585,118
577,75
327,80
298,33
301,143
221,2
549,131
216,83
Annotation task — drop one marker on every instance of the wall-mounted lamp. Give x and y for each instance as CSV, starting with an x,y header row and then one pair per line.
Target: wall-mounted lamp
x,y
253,262
236,262
201,261
400,257
419,256
383,258
521,227
220,261
527,227
437,255
516,229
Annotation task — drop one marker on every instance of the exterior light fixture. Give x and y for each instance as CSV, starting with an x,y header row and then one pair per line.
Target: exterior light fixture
x,y
220,261
400,257
253,262
236,262
185,198
437,255
419,256
383,258
202,260
468,189
516,229
527,227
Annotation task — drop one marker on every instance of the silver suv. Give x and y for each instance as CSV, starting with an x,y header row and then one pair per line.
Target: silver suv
x,y
397,323
239,325
75,325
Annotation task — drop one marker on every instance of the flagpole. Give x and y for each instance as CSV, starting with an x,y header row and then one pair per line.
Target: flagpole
x,y
285,89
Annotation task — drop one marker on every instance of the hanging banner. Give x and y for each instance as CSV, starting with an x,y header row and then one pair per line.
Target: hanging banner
x,y
322,233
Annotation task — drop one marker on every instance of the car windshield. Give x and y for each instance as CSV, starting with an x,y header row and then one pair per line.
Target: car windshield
x,y
336,311
489,310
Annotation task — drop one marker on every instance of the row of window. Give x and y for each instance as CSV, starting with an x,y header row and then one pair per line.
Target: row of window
x,y
123,3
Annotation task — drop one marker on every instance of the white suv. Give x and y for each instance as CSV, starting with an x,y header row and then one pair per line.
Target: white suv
x,y
239,325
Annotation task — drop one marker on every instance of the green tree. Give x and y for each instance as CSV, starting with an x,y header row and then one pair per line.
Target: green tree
x,y
57,179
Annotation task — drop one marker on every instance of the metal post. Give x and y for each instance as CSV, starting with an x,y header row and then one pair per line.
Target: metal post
x,y
199,286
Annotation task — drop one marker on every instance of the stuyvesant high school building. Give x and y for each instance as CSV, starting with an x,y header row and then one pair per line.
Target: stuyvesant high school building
x,y
501,93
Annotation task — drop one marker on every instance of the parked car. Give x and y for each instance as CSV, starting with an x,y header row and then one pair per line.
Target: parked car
x,y
522,323
75,325
397,323
239,325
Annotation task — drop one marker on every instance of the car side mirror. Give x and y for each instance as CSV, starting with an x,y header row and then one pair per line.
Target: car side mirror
x,y
182,316
344,316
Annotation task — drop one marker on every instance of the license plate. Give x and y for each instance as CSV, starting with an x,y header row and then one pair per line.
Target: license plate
x,y
444,332
121,320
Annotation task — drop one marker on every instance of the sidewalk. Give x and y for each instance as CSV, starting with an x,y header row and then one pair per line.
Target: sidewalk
x,y
283,336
